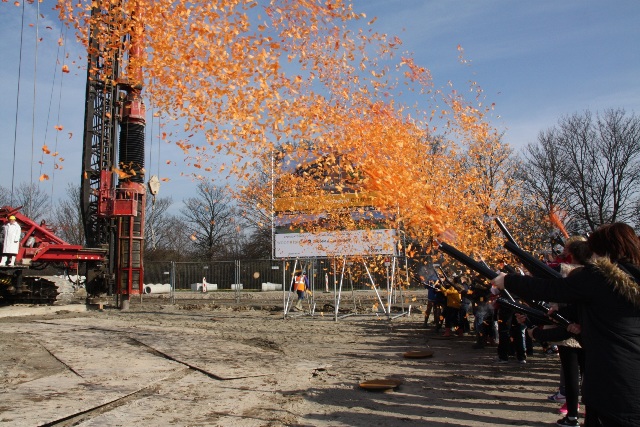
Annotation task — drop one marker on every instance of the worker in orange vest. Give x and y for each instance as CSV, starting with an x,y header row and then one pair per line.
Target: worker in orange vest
x,y
300,285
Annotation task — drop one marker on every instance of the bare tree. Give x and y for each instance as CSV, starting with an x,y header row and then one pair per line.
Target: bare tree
x,y
5,196
236,243
495,166
157,222
68,219
172,241
209,220
545,190
166,235
588,166
619,138
254,205
602,165
34,201
542,172
492,191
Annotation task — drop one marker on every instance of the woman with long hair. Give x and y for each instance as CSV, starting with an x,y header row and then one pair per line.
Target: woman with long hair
x,y
607,293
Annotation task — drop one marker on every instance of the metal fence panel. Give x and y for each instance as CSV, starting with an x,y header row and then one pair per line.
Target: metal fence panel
x,y
322,273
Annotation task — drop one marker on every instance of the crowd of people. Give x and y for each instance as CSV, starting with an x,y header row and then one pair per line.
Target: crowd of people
x,y
597,295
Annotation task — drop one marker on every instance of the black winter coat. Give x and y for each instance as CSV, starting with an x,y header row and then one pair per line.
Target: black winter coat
x,y
609,306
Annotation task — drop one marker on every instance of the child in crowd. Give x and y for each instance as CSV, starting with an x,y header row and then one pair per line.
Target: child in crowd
x,y
452,309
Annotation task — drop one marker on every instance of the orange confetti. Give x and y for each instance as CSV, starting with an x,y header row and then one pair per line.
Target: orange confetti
x,y
554,218
338,99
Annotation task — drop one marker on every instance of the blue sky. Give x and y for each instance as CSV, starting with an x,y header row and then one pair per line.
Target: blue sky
x,y
537,61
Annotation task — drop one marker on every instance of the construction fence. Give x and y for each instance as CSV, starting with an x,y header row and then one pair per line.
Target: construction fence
x,y
263,275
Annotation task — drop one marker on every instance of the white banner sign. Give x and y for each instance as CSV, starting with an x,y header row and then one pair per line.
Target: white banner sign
x,y
335,243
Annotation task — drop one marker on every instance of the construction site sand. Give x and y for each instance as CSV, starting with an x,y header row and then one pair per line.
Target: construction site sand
x,y
201,364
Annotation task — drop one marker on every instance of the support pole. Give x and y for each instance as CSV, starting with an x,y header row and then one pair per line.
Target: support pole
x,y
172,281
337,306
373,283
284,289
353,293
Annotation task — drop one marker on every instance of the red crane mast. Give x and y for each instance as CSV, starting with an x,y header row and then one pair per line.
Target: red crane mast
x,y
113,212
113,147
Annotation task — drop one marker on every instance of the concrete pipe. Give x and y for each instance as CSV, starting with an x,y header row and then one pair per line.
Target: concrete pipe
x,y
268,286
158,288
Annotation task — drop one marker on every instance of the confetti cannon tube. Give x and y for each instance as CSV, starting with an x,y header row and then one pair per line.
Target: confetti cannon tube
x,y
479,267
430,286
476,266
444,275
505,231
485,271
538,316
534,265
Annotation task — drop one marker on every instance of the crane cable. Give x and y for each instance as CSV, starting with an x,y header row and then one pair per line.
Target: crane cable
x,y
33,111
153,199
15,128
63,37
31,190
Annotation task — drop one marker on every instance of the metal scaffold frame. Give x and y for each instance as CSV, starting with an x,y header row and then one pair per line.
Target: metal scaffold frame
x,y
288,292
393,292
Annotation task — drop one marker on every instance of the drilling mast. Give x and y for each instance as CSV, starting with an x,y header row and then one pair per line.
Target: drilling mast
x,y
113,212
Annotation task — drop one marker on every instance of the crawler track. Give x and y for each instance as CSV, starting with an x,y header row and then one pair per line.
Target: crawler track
x,y
49,290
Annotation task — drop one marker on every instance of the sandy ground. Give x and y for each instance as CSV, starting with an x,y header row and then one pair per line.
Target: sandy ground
x,y
198,363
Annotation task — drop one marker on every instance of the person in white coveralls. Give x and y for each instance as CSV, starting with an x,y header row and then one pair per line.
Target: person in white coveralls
x,y
12,232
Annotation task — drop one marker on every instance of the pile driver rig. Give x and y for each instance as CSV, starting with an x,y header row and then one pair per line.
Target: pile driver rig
x,y
113,192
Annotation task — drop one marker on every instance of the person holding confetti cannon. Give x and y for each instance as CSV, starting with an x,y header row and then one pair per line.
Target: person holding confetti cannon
x,y
607,293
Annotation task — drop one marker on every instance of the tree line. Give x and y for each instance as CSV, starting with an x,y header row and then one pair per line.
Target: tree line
x,y
209,225
588,167
584,170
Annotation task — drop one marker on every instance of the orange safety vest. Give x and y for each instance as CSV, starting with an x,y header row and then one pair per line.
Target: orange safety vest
x,y
298,283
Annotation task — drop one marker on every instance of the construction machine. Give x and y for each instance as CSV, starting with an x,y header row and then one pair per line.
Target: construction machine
x,y
113,190
39,249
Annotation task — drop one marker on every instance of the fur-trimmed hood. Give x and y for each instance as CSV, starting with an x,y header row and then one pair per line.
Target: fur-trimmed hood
x,y
623,283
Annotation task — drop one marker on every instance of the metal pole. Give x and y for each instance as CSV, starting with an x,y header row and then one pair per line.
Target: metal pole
x,y
273,221
312,285
335,279
353,293
284,290
237,281
172,280
389,289
406,268
373,283
284,281
344,264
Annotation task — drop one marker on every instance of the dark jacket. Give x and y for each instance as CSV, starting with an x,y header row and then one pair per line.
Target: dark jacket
x,y
609,311
559,335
